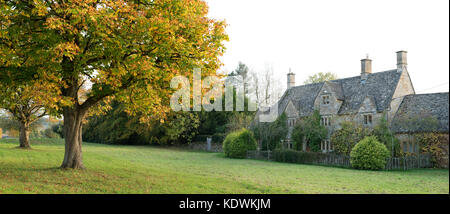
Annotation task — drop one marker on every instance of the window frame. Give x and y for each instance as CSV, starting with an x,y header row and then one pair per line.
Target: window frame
x,y
291,122
325,121
326,99
368,119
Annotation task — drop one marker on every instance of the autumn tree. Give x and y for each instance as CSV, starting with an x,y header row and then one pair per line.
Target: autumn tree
x,y
320,77
126,50
27,103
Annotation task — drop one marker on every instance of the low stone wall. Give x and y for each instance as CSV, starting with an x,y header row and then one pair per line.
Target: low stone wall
x,y
202,146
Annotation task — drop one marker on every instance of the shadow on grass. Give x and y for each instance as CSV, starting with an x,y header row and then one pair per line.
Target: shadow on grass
x,y
32,169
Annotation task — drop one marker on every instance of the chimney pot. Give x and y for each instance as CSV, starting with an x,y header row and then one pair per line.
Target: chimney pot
x,y
290,79
366,68
402,62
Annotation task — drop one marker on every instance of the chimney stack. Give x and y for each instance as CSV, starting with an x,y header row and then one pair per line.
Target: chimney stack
x,y
402,62
366,68
290,79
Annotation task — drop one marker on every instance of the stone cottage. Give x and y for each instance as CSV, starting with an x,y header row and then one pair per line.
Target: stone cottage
x,y
422,113
363,99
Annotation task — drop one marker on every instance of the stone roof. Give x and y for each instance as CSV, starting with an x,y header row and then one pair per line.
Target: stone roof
x,y
303,98
414,110
379,86
337,89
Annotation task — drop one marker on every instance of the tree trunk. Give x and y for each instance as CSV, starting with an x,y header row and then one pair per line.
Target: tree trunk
x,y
24,136
73,157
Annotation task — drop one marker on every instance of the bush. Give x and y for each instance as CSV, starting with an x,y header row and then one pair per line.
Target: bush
x,y
292,156
348,136
236,144
59,129
271,134
434,144
311,131
386,137
369,153
49,133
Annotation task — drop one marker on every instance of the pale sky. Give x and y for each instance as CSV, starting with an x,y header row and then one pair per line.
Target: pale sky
x,y
313,36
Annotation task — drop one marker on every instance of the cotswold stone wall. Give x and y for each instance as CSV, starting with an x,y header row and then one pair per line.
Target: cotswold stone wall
x,y
202,146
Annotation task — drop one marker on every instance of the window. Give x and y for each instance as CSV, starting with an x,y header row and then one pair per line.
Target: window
x,y
326,100
368,119
405,147
291,122
410,147
325,146
325,121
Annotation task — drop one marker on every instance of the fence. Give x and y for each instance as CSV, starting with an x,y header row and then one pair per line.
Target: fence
x,y
410,162
259,155
334,160
327,159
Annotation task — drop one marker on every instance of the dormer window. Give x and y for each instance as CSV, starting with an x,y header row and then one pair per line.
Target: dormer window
x,y
368,119
326,99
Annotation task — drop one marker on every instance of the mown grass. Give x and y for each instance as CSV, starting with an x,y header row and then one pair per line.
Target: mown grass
x,y
143,169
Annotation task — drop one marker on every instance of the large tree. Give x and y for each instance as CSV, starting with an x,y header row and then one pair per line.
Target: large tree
x,y
126,50
308,130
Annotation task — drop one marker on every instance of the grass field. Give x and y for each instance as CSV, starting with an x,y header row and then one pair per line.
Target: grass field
x,y
139,169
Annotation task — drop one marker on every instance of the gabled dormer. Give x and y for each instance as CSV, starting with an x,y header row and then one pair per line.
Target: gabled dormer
x,y
368,105
291,111
329,99
367,111
291,114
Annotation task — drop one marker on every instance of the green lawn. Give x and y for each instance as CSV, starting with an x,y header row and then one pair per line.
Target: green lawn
x,y
140,169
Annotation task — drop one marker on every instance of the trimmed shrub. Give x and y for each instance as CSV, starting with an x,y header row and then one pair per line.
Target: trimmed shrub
x,y
370,154
236,144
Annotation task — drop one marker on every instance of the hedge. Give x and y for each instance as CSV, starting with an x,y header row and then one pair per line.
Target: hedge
x,y
292,156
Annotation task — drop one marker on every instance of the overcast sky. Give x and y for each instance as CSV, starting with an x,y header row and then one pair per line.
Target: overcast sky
x,y
313,36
